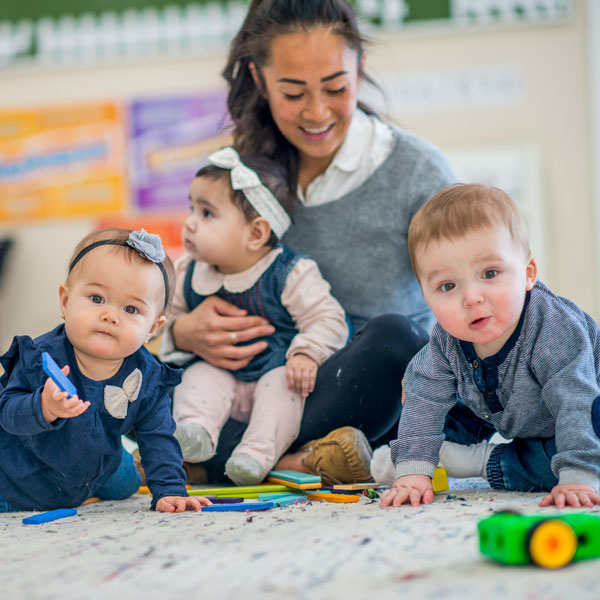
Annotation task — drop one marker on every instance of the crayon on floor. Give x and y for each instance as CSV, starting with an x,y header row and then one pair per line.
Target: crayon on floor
x,y
293,484
51,515
225,499
329,497
242,506
238,490
355,486
439,481
295,476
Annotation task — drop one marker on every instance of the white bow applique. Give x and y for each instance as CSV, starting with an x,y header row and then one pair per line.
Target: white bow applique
x,y
116,399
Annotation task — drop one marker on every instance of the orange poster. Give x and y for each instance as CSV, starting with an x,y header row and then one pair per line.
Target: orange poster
x,y
62,161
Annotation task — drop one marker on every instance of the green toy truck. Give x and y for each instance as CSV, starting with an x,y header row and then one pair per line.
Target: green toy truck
x,y
549,542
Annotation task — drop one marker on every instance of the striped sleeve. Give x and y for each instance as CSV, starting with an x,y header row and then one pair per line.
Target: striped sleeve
x,y
430,391
563,361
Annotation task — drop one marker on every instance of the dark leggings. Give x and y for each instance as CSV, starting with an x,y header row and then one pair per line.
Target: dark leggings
x,y
360,385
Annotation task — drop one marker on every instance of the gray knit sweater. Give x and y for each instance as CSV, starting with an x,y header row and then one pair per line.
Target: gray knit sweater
x,y
359,240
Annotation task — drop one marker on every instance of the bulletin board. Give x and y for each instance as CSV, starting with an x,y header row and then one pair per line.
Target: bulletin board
x,y
66,161
107,159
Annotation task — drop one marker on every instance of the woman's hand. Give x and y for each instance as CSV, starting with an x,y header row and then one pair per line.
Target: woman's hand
x,y
571,494
415,489
214,328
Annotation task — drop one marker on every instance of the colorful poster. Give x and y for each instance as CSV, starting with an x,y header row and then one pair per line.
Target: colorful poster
x,y
170,139
62,162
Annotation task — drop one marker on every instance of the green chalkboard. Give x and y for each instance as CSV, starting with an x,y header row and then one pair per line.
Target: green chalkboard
x,y
427,10
97,29
34,9
413,10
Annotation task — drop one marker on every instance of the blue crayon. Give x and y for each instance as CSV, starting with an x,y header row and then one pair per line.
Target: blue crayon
x,y
51,515
60,379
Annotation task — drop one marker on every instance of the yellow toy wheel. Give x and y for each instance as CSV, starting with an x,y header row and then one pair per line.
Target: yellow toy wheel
x,y
552,544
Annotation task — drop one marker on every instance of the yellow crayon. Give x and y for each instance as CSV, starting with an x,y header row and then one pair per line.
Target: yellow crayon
x,y
439,480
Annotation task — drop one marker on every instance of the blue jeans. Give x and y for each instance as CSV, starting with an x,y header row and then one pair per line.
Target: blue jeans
x,y
124,482
522,465
6,506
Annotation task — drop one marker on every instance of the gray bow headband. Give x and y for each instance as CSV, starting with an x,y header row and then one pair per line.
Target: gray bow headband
x,y
148,245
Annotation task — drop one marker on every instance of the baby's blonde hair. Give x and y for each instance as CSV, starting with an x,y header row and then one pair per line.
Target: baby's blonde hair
x,y
461,208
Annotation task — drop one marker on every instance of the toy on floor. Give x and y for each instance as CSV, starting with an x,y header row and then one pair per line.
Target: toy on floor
x,y
282,499
295,479
548,542
370,493
353,487
439,481
52,515
91,500
60,379
225,500
144,489
247,491
284,487
242,506
329,497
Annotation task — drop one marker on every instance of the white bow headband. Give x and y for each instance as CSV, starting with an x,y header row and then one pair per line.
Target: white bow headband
x,y
260,197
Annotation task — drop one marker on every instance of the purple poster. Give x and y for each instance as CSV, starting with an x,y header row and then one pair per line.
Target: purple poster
x,y
170,139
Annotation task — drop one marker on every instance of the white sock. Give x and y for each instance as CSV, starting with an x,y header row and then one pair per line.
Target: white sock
x,y
465,461
244,469
196,445
382,468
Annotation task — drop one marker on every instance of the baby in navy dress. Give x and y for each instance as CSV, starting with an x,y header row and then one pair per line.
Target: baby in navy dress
x,y
58,450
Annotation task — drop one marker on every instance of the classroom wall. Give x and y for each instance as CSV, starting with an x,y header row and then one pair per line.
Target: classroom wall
x,y
551,113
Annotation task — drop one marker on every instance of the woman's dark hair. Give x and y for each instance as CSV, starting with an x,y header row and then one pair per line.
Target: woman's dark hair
x,y
254,130
273,176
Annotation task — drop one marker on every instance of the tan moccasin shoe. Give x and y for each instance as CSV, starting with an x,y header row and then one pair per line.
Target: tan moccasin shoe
x,y
137,461
195,472
342,456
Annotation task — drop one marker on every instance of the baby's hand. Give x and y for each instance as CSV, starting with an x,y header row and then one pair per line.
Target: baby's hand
x,y
413,488
181,503
571,494
301,373
55,403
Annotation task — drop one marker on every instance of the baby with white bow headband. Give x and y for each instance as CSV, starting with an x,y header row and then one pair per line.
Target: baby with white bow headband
x,y
60,447
239,209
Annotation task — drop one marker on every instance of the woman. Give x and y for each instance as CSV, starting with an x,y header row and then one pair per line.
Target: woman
x,y
294,72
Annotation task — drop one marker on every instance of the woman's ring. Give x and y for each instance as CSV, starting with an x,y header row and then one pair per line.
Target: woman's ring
x,y
233,337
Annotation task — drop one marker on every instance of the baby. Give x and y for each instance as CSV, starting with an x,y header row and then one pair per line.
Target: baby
x,y
239,210
525,361
59,450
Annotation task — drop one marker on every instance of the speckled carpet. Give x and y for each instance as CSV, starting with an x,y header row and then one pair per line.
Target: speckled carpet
x,y
121,550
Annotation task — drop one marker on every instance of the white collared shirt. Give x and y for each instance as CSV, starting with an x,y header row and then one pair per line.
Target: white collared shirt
x,y
367,144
